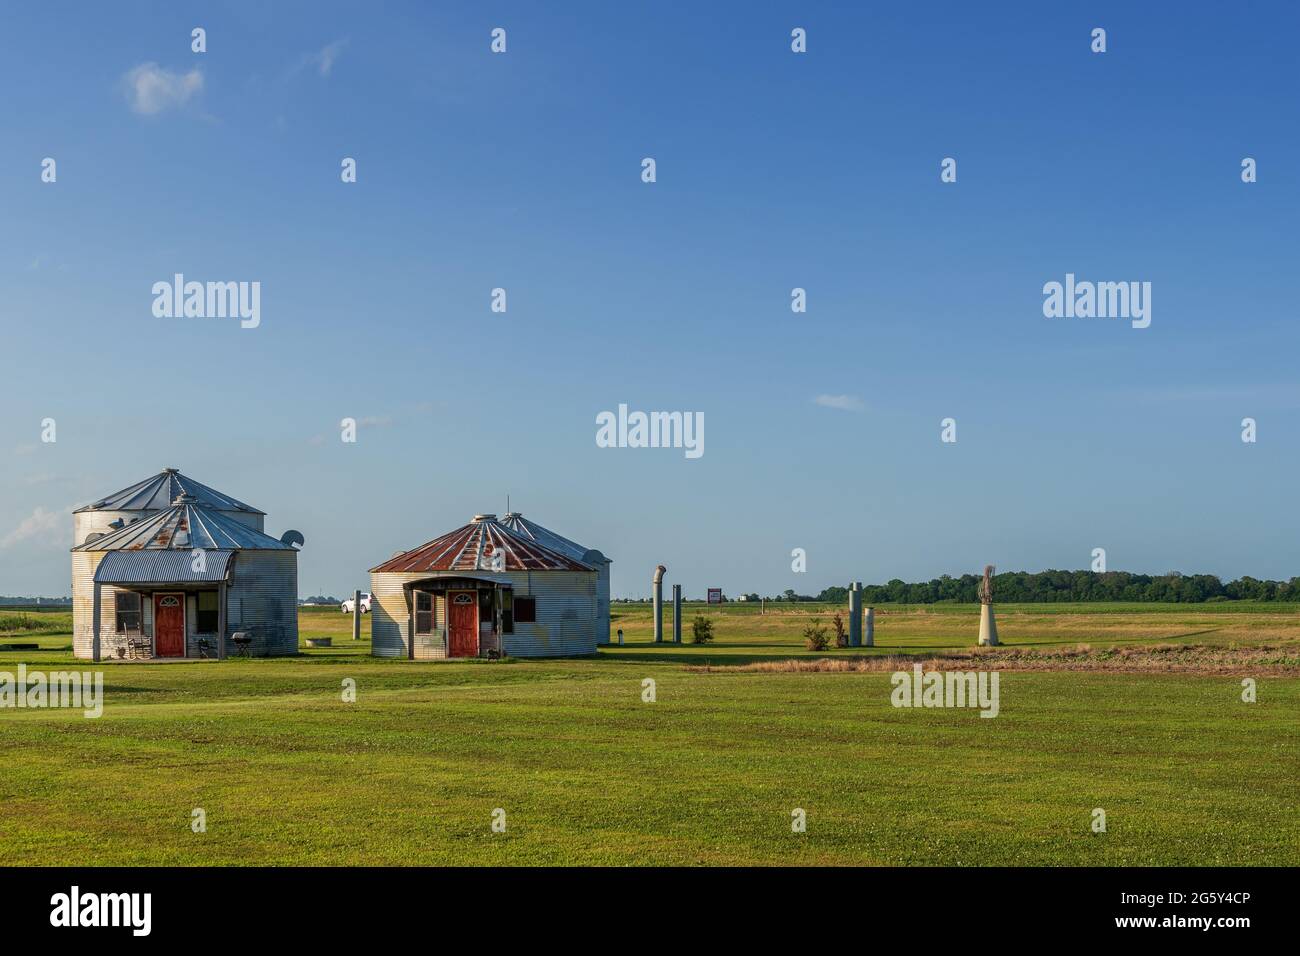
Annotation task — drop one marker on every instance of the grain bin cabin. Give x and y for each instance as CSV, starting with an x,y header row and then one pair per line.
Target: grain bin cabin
x,y
483,590
557,542
172,569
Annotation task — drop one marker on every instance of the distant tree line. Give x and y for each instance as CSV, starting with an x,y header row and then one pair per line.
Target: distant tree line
x,y
1047,586
320,599
27,601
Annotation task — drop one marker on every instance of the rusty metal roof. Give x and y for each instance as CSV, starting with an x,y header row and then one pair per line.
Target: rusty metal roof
x,y
159,491
547,538
185,526
476,547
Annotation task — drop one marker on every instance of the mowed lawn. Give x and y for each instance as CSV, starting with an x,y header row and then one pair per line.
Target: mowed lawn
x,y
709,773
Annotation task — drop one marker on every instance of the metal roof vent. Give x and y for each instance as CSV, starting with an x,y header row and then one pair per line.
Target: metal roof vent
x,y
183,499
172,471
485,517
117,523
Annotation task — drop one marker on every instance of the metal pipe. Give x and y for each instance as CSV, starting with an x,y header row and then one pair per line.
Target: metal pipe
x,y
677,613
660,571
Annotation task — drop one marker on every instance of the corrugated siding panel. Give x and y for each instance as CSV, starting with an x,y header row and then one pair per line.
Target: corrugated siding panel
x,y
262,600
84,564
566,605
388,614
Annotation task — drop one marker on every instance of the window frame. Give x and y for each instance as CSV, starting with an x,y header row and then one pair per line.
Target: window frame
x,y
431,613
200,613
507,610
527,600
119,614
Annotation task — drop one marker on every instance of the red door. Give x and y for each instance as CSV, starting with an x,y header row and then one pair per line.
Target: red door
x,y
169,625
463,621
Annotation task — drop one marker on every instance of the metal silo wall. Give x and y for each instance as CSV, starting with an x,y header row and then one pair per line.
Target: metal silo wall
x,y
84,564
566,613
263,601
388,613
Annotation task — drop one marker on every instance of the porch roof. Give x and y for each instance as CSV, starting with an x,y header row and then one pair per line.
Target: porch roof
x,y
162,567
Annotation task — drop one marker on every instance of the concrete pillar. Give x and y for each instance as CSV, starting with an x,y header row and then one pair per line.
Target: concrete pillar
x,y
855,614
677,613
988,626
356,615
870,640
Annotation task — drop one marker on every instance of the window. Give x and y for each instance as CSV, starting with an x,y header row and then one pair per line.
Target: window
x,y
485,606
205,617
507,611
423,612
127,609
525,610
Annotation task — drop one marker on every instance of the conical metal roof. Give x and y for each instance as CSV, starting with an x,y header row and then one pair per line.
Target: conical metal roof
x,y
184,526
159,491
545,537
483,545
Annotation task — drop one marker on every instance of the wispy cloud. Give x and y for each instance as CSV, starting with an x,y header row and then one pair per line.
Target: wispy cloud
x,y
42,527
151,89
845,403
323,59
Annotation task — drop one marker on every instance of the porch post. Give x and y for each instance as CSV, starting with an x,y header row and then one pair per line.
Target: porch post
x,y
94,643
221,621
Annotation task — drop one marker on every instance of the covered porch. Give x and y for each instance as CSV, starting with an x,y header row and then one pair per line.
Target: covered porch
x,y
452,616
163,605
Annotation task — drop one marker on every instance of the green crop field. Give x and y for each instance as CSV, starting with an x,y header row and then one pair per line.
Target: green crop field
x,y
710,772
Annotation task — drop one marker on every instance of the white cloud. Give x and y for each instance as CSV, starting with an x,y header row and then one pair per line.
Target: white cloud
x,y
845,403
324,60
48,528
151,89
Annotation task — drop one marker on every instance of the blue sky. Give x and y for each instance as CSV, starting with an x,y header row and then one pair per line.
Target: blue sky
x,y
775,170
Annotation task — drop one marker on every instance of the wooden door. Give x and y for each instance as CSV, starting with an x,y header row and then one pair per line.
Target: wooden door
x,y
462,624
169,625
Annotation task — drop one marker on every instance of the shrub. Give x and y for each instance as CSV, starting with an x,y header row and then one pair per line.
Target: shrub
x,y
815,638
841,638
701,630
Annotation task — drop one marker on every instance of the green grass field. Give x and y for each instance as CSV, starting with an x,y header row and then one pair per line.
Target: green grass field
x,y
707,774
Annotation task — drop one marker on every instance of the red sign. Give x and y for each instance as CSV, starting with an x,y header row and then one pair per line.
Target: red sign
x,y
715,595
